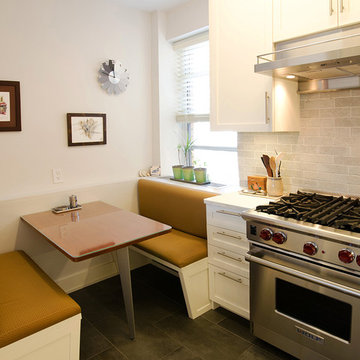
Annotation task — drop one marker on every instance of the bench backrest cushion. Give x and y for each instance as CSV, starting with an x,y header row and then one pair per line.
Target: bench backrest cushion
x,y
182,208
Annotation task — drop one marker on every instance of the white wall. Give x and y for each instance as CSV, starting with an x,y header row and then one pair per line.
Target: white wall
x,y
55,48
187,19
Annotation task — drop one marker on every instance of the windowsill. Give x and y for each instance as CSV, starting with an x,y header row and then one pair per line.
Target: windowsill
x,y
208,187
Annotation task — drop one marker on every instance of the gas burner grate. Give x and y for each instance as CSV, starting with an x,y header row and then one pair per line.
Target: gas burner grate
x,y
327,210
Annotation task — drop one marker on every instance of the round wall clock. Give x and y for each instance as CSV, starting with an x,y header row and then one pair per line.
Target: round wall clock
x,y
113,77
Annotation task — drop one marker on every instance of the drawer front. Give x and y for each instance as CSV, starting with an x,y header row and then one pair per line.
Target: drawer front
x,y
225,218
228,260
228,239
229,290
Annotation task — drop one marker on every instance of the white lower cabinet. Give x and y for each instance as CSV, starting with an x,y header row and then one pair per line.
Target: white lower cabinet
x,y
230,290
227,246
228,270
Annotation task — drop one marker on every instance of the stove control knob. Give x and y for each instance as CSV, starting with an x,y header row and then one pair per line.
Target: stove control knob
x,y
266,234
279,237
346,256
358,260
310,248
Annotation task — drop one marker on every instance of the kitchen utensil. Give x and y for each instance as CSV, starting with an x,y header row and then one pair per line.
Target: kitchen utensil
x,y
266,161
278,159
273,166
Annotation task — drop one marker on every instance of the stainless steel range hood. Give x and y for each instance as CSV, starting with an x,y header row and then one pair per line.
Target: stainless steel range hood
x,y
326,71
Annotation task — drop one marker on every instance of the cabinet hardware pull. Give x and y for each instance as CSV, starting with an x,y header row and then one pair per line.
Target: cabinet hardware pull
x,y
225,212
230,277
342,8
228,256
267,117
331,10
232,236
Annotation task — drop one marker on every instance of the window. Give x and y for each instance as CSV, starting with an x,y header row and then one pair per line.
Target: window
x,y
215,150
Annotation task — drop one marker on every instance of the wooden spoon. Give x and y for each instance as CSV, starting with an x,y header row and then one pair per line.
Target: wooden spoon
x,y
273,166
266,161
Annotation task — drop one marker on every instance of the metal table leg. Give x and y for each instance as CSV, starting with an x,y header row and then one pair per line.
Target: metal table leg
x,y
124,271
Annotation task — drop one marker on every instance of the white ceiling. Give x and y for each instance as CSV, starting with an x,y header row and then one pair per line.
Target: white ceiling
x,y
151,5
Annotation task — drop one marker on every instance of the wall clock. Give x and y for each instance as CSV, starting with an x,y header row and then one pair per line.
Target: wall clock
x,y
113,77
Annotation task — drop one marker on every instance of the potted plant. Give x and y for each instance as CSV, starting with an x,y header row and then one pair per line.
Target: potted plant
x,y
184,155
200,172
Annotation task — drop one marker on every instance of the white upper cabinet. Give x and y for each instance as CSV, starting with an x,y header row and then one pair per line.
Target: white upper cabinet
x,y
349,12
295,18
240,99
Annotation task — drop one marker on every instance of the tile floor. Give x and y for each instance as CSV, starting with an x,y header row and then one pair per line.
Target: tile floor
x,y
163,330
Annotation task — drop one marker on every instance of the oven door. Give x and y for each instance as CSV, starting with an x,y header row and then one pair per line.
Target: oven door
x,y
306,309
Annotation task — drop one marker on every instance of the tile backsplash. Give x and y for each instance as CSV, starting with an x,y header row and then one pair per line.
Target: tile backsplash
x,y
323,156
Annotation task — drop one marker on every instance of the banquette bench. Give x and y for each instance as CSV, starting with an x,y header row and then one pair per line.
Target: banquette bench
x,y
38,320
183,251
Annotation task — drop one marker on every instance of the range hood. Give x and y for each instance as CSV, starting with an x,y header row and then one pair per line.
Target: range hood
x,y
326,71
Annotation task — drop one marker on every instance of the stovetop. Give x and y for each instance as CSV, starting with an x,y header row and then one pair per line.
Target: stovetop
x,y
333,211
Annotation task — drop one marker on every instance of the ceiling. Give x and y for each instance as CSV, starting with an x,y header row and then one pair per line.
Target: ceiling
x,y
151,5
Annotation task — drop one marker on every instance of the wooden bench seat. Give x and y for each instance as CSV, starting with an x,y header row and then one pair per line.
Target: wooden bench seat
x,y
183,251
31,304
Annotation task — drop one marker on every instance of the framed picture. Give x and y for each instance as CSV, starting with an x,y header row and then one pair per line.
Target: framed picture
x,y
10,117
86,129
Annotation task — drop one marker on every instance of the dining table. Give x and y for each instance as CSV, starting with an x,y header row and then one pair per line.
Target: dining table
x,y
97,228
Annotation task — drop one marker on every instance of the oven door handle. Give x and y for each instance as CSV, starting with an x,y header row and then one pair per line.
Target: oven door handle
x,y
301,275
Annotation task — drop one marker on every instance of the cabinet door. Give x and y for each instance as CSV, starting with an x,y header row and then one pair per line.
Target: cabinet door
x,y
238,32
293,18
349,12
229,290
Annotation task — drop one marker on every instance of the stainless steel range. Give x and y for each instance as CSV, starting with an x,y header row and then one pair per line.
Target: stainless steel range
x,y
305,275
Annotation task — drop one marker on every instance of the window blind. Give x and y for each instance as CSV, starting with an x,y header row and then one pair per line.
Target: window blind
x,y
192,73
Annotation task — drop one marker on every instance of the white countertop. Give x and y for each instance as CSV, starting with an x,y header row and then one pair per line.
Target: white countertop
x,y
238,200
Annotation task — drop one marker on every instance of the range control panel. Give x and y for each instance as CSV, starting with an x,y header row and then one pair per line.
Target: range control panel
x,y
312,246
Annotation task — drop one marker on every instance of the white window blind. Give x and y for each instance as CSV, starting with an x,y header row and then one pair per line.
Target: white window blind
x,y
193,83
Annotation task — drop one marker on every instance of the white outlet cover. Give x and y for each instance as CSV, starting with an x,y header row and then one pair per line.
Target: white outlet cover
x,y
57,176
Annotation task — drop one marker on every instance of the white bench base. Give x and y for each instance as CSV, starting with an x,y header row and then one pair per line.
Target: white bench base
x,y
57,342
194,280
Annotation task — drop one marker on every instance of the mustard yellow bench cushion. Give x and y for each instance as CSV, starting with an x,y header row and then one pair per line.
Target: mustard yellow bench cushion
x,y
177,206
29,300
176,247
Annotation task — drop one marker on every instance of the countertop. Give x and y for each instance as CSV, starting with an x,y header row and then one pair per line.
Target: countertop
x,y
238,200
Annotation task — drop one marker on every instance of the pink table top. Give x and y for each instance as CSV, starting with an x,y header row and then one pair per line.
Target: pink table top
x,y
95,229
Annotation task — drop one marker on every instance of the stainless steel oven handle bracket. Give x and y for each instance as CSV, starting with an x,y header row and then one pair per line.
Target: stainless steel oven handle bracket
x,y
304,276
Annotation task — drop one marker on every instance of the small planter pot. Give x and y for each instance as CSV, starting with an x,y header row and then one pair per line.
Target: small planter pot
x,y
178,172
200,175
188,172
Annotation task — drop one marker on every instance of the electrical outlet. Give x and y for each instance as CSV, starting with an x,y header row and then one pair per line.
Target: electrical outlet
x,y
57,176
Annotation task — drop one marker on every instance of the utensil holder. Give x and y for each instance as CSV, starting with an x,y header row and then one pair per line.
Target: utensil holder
x,y
274,186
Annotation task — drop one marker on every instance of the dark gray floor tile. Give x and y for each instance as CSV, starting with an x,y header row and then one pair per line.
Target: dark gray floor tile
x,y
214,316
279,354
203,338
110,354
256,352
238,326
150,343
160,280
92,341
181,354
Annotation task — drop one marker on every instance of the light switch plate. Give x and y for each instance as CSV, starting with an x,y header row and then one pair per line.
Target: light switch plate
x,y
57,176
